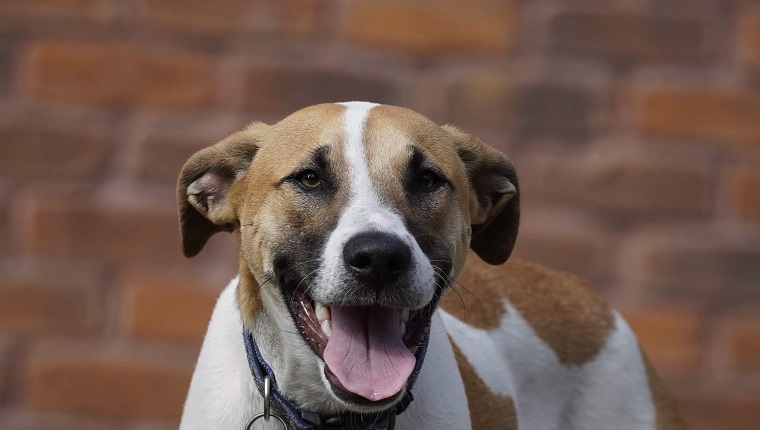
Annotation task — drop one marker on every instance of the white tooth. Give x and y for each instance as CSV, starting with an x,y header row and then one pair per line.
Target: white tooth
x,y
404,314
402,327
322,311
327,328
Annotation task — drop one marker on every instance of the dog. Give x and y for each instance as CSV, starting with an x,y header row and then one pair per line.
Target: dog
x,y
372,292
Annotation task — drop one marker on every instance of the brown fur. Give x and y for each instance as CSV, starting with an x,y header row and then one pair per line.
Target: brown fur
x,y
233,188
562,309
488,410
238,183
494,197
390,135
485,191
251,201
668,416
248,296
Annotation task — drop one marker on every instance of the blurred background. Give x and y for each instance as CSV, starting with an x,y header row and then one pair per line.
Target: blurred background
x,y
634,126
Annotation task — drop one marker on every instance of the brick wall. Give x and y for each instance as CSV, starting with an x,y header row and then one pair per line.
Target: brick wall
x,y
635,126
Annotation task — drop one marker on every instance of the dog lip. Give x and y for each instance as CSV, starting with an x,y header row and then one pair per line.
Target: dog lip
x,y
308,323
302,307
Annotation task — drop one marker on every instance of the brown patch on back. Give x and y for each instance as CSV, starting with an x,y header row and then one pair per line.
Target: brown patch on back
x,y
478,297
561,308
488,410
668,417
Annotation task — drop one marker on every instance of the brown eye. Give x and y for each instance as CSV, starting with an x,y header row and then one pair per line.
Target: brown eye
x,y
309,179
427,181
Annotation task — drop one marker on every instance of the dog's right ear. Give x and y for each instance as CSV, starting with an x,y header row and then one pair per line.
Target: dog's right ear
x,y
495,204
204,186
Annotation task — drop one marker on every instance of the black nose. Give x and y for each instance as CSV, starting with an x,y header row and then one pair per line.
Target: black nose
x,y
376,256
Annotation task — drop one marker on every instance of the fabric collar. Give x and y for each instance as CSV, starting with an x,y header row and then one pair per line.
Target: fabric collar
x,y
300,419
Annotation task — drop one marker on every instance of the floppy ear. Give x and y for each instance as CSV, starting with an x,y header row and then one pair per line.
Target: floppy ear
x,y
495,199
204,186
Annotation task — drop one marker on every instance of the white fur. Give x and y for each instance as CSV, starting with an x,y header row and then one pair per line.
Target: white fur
x,y
298,371
222,392
609,392
223,395
365,212
440,400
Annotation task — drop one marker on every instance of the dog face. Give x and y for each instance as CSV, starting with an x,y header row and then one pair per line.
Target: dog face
x,y
354,219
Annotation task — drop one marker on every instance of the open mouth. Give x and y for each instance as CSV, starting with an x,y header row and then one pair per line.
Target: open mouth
x,y
369,351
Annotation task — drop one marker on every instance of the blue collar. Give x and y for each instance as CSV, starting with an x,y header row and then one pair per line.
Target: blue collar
x,y
300,419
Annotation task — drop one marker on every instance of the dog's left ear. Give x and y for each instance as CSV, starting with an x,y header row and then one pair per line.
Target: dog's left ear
x,y
203,188
495,199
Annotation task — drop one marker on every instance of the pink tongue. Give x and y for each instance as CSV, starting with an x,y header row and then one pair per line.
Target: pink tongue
x,y
366,353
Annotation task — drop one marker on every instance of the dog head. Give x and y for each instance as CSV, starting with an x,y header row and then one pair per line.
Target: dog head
x,y
353,219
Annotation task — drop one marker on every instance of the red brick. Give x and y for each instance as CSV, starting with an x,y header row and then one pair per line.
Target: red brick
x,y
48,299
157,425
562,241
433,27
669,336
628,186
169,307
118,75
743,343
53,8
23,420
6,373
725,117
6,67
99,229
76,379
230,17
549,109
38,151
283,89
161,157
746,183
482,98
723,411
43,13
749,32
4,216
121,227
696,262
628,38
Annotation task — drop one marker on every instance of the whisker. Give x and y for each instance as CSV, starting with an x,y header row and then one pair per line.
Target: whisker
x,y
480,239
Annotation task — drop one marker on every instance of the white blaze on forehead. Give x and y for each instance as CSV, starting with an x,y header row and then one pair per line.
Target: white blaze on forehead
x,y
365,212
354,120
365,205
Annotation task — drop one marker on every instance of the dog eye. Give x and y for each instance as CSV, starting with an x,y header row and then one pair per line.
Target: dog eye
x,y
427,180
309,179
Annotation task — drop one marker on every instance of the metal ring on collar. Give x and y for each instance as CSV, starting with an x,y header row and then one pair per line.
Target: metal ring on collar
x,y
260,416
267,407
267,396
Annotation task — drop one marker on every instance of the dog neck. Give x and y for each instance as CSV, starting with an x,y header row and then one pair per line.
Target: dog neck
x,y
301,419
296,367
